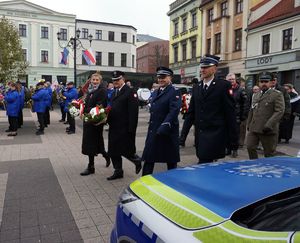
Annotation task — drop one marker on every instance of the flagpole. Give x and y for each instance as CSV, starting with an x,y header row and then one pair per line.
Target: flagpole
x,y
75,57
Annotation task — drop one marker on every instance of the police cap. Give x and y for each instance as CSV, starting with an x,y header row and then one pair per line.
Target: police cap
x,y
209,61
268,76
163,71
116,75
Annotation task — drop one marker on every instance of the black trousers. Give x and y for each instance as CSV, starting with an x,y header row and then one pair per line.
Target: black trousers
x,y
47,116
71,121
13,123
20,118
149,167
117,163
63,113
41,120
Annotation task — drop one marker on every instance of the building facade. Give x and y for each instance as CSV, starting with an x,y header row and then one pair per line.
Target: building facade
x,y
185,38
113,45
274,41
38,27
224,24
151,55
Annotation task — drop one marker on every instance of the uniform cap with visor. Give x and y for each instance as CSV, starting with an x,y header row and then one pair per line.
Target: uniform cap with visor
x,y
209,61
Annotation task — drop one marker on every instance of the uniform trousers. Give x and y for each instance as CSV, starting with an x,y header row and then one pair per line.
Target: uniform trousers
x,y
71,121
47,116
149,167
267,141
63,113
41,120
13,123
20,118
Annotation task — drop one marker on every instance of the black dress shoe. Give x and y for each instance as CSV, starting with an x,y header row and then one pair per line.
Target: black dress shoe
x,y
116,175
8,130
70,132
61,120
39,132
88,171
66,122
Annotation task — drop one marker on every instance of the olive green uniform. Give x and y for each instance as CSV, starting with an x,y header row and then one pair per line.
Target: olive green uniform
x,y
263,121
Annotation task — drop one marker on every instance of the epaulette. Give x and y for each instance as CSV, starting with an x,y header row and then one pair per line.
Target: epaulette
x,y
278,91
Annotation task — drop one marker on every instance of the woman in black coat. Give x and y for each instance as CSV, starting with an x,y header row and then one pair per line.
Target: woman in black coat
x,y
92,138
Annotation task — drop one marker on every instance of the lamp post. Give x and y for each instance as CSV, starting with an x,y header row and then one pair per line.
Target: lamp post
x,y
74,43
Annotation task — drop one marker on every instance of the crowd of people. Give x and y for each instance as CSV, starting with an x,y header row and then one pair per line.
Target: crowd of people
x,y
225,114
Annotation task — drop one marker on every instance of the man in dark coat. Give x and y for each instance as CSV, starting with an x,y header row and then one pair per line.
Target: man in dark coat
x,y
162,143
213,111
122,120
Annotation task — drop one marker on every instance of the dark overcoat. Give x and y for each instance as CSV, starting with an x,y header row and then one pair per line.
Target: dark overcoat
x,y
213,113
123,120
92,138
162,142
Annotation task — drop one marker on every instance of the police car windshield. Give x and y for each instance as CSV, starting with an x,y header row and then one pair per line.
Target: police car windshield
x,y
277,213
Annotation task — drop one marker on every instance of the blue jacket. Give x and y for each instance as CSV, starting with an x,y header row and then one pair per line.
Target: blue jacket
x,y
49,100
22,97
40,100
70,94
13,103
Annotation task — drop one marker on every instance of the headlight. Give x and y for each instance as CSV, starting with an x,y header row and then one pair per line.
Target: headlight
x,y
127,196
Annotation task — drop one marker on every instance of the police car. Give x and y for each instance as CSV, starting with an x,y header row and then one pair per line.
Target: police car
x,y
245,201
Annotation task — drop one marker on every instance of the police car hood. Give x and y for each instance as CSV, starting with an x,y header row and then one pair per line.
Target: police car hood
x,y
225,187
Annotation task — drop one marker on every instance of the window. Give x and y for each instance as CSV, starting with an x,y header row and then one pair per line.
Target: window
x,y
124,37
238,40
133,39
132,60
218,43
63,34
123,60
111,59
194,48
224,8
208,46
265,44
210,15
183,51
85,33
22,30
194,19
238,6
98,58
111,36
175,54
184,20
44,32
24,54
176,28
287,39
98,34
44,56
83,61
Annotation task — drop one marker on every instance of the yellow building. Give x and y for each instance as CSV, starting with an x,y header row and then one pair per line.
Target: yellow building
x,y
185,38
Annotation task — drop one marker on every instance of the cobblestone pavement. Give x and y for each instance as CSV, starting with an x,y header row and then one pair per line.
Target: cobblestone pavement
x,y
44,199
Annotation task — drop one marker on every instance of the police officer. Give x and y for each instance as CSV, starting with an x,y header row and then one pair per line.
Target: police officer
x,y
162,143
122,120
267,109
70,94
213,113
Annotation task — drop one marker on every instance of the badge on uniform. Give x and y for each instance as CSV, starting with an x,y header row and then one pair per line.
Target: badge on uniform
x,y
177,97
230,92
135,95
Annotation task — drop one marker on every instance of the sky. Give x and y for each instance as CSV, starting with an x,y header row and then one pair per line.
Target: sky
x,y
147,16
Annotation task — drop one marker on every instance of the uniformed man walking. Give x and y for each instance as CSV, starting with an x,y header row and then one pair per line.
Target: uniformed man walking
x,y
267,109
213,112
122,120
162,143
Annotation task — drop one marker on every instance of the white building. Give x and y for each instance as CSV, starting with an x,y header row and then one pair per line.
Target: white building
x,y
274,41
114,46
38,27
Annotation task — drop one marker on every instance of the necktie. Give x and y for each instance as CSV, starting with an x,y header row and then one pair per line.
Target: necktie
x,y
116,92
205,87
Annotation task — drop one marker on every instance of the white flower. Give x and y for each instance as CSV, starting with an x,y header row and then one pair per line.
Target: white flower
x,y
102,110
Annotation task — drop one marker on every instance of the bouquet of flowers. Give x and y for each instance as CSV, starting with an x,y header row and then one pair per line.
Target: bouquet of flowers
x,y
76,107
97,115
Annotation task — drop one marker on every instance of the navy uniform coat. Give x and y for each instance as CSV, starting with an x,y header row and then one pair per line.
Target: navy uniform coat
x,y
162,142
123,120
213,113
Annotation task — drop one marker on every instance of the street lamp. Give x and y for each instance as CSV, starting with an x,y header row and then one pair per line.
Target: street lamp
x,y
74,43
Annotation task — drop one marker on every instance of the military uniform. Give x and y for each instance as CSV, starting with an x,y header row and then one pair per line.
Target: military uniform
x,y
263,121
162,143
